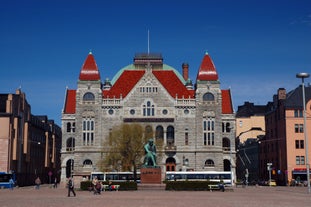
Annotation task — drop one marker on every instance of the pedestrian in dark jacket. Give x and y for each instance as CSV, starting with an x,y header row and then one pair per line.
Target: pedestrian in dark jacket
x,y
71,187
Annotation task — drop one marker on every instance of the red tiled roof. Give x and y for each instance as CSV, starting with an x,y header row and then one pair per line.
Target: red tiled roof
x,y
124,84
172,84
207,70
70,102
129,78
227,107
89,70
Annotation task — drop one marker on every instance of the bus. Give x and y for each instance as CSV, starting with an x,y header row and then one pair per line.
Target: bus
x,y
5,179
115,176
216,176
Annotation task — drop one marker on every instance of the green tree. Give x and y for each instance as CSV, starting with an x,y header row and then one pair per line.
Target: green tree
x,y
124,149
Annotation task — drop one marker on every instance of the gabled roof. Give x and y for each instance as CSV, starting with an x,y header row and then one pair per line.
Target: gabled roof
x,y
129,78
89,70
70,102
124,84
227,107
207,70
172,84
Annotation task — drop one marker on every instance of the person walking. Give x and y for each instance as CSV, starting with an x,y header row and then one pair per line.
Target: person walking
x,y
55,182
38,183
71,187
11,183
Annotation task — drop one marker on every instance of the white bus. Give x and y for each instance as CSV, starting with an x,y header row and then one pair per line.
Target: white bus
x,y
115,176
216,176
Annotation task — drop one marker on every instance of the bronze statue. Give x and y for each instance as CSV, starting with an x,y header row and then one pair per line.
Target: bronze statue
x,y
150,157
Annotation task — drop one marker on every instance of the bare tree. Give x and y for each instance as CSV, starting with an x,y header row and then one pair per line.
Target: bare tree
x,y
124,149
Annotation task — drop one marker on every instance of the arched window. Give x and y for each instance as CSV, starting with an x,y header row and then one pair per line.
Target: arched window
x,y
170,135
159,133
226,144
68,127
148,109
209,163
208,97
70,144
87,163
88,97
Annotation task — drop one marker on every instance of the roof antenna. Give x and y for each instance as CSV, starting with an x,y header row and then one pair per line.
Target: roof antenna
x,y
148,42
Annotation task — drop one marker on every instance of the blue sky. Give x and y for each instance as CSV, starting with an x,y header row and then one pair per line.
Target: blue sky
x,y
257,46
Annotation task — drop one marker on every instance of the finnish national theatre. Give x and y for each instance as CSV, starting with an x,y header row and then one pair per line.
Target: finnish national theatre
x,y
195,122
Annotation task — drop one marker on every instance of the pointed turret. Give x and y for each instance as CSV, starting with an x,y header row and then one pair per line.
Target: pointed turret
x,y
207,70
89,70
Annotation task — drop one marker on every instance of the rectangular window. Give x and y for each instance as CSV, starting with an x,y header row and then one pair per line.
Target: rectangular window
x,y
88,130
301,128
296,113
208,131
186,138
300,144
300,160
297,160
209,138
297,144
240,123
298,128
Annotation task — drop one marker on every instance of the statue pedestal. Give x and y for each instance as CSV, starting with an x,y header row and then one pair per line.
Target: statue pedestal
x,y
150,175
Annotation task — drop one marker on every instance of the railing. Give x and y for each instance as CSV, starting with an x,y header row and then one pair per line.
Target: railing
x,y
170,148
111,102
185,102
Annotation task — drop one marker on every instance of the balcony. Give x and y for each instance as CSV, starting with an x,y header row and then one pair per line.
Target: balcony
x,y
170,150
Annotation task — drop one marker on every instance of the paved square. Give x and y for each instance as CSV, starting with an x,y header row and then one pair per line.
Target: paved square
x,y
249,196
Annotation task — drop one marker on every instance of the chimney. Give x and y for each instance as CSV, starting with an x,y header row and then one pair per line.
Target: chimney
x,y
281,94
185,71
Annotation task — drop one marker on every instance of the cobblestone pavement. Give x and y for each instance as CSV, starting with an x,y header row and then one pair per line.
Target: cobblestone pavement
x,y
240,197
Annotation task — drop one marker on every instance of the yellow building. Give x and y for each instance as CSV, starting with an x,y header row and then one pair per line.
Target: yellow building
x,y
250,121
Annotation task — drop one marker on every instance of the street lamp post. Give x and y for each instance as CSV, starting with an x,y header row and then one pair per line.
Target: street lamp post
x,y
303,76
72,158
269,169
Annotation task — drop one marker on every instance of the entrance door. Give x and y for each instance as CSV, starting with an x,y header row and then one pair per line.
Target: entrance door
x,y
170,164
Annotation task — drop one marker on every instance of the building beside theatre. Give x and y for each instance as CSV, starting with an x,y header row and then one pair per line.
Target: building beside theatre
x,y
283,145
195,122
29,144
